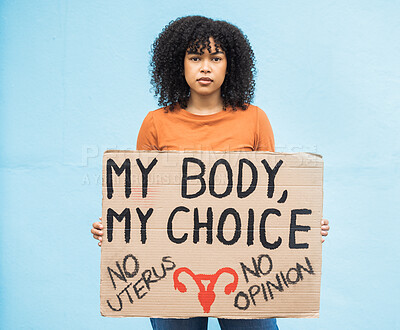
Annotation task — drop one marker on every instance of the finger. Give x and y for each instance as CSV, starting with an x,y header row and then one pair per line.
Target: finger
x,y
97,225
99,244
324,222
98,237
322,240
100,218
325,227
324,233
96,232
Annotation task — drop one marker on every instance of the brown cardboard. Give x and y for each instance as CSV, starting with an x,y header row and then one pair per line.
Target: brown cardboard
x,y
158,267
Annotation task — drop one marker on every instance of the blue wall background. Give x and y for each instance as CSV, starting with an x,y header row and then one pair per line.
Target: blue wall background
x,y
74,81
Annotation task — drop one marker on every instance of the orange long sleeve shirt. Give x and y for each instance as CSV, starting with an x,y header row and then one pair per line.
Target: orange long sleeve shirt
x,y
240,130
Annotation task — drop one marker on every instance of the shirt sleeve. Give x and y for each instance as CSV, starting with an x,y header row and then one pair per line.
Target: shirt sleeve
x,y
265,137
147,137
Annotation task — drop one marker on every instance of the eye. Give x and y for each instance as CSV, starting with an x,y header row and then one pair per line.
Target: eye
x,y
195,59
217,59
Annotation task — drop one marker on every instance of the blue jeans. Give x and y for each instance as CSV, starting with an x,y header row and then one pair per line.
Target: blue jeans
x,y
200,323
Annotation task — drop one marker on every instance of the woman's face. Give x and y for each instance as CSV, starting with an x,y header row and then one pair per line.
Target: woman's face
x,y
205,73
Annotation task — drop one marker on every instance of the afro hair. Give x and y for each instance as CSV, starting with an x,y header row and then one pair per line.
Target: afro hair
x,y
194,33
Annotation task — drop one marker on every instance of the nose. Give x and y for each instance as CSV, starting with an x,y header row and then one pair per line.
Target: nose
x,y
205,67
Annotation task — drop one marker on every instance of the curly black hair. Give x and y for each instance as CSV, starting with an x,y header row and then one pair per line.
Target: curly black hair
x,y
193,33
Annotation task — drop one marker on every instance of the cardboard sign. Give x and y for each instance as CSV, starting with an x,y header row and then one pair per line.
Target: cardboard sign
x,y
222,234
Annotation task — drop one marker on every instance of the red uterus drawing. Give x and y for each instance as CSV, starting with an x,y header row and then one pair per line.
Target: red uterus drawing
x,y
206,296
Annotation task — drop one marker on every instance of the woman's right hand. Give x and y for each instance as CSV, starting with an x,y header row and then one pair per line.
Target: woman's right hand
x,y
97,231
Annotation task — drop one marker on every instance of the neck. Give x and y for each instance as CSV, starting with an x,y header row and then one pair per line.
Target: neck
x,y
204,105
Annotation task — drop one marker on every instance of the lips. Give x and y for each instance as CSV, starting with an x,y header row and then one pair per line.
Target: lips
x,y
204,79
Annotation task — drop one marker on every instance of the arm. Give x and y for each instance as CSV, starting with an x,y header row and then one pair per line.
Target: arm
x,y
264,135
147,140
147,137
265,142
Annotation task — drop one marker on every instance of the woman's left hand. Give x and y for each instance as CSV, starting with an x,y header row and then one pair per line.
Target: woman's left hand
x,y
324,228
